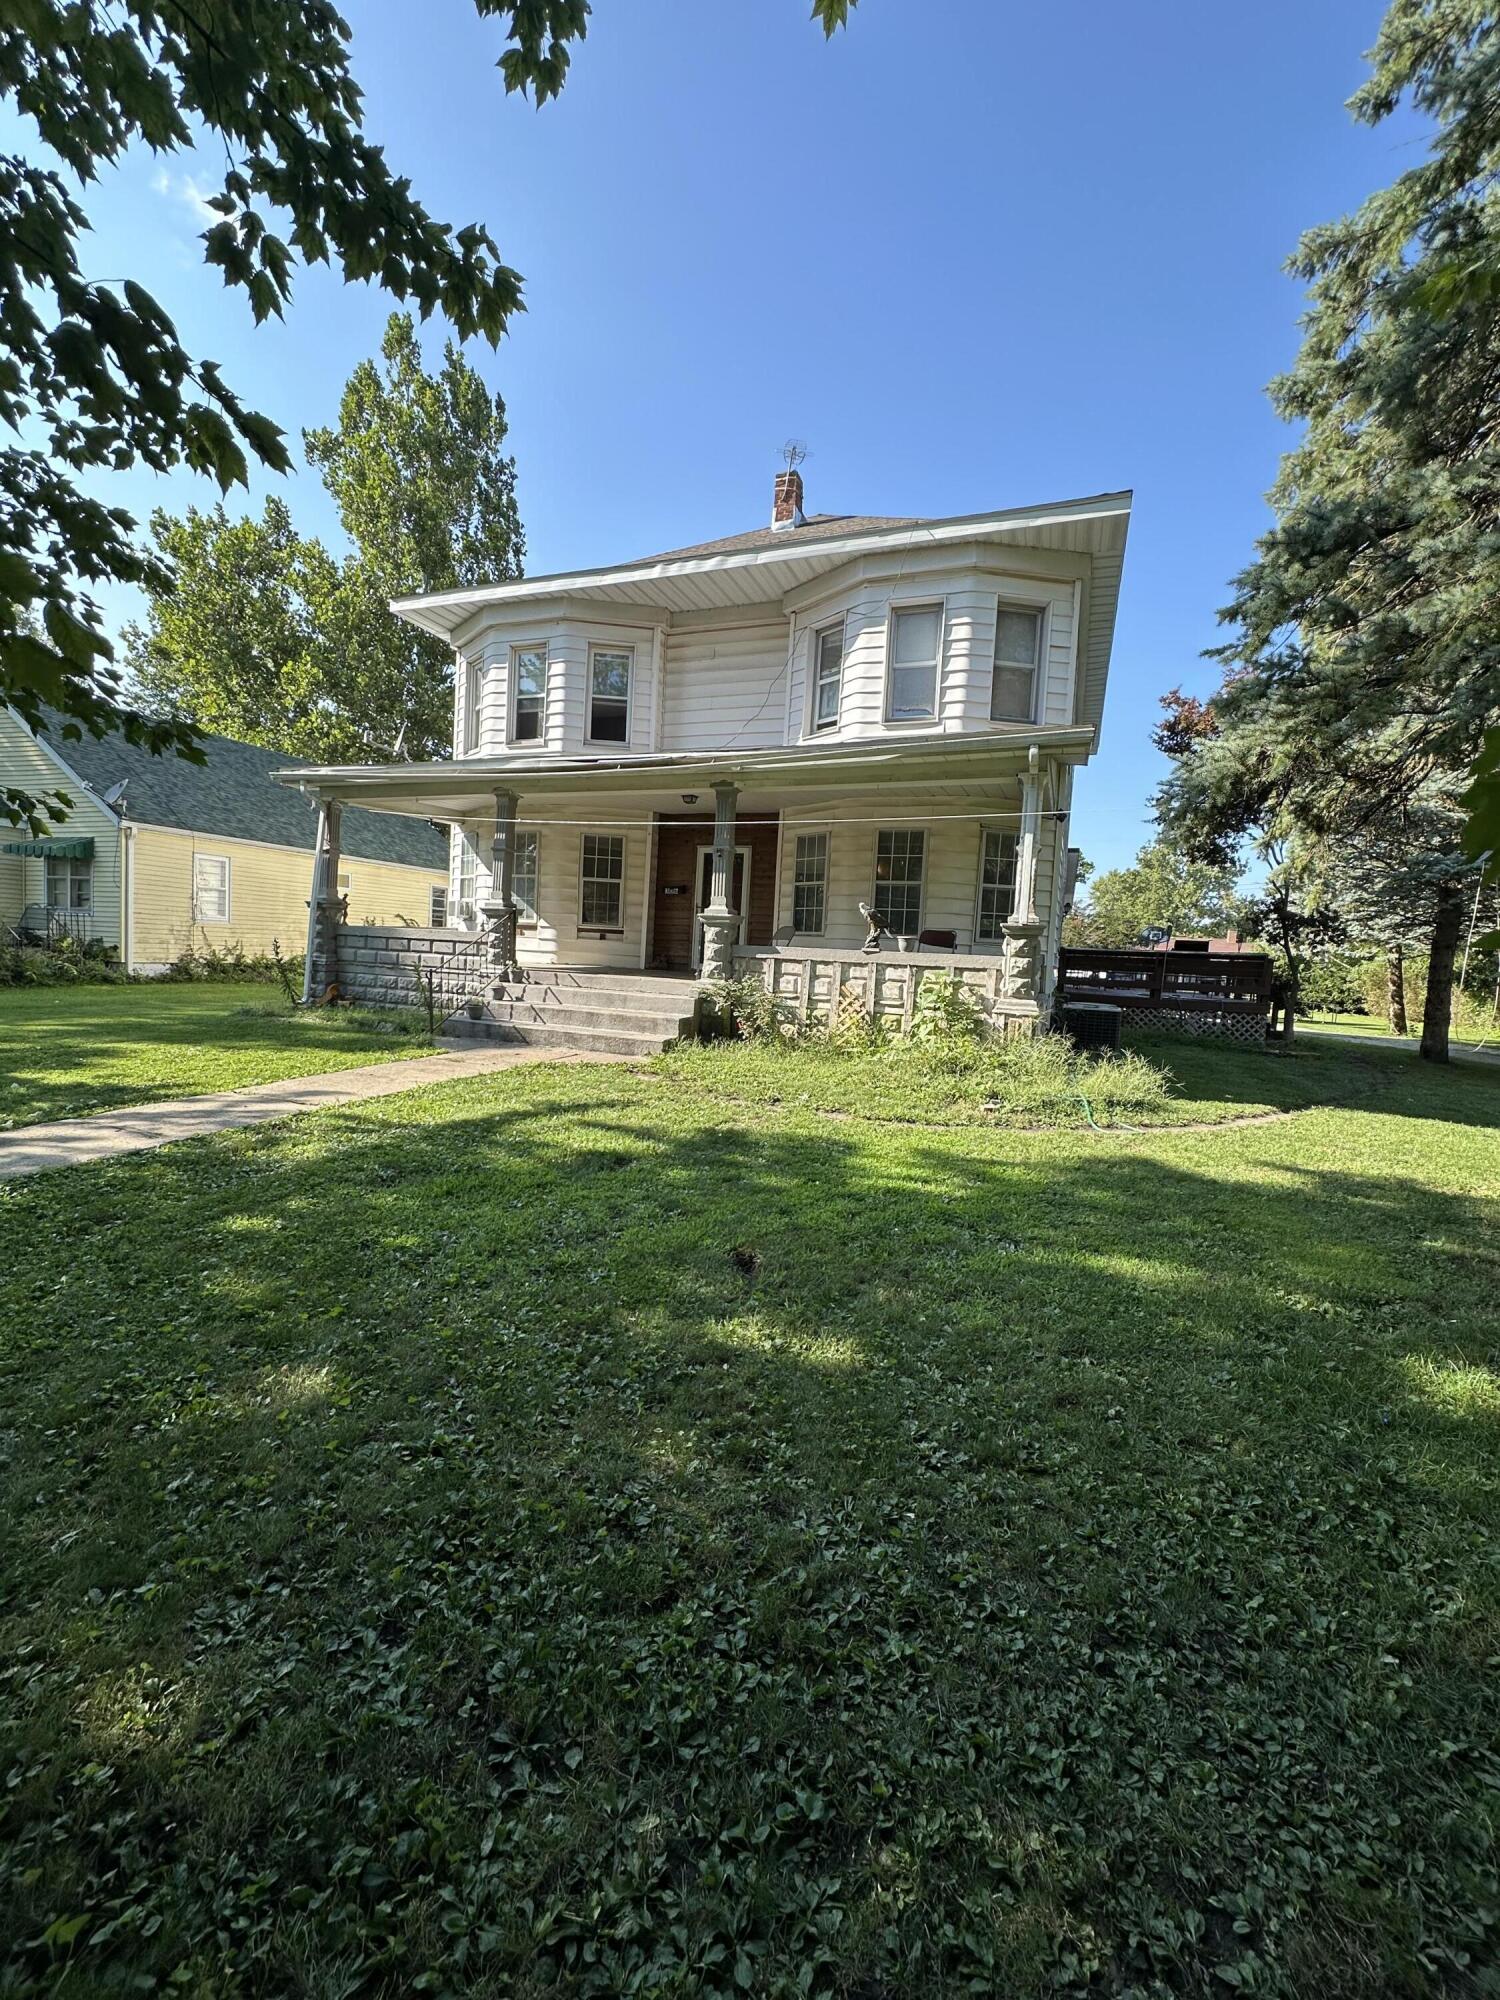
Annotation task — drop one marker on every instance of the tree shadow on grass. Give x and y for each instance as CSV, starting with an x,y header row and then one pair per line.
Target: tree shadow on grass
x,y
554,1535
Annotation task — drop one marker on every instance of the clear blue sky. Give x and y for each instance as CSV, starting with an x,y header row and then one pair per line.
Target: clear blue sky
x,y
976,252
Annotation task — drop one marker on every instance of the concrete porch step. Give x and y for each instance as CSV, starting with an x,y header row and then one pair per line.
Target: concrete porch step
x,y
582,979
559,1035
676,1001
587,1013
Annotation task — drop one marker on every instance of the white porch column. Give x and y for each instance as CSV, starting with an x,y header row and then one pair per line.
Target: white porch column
x,y
323,909
721,921
1022,931
314,908
499,908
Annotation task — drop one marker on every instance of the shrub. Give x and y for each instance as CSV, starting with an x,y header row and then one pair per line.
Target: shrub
x,y
947,1012
747,1008
231,966
65,963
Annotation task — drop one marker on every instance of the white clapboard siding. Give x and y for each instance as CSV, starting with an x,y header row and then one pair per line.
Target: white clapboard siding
x,y
969,602
951,880
725,685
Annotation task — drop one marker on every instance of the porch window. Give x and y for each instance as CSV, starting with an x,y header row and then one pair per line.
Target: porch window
x,y
601,885
524,870
997,883
810,884
468,878
471,706
828,675
916,644
437,907
211,888
1018,653
900,856
609,695
528,676
70,884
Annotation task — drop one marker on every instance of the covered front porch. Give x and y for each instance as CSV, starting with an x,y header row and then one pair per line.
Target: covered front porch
x,y
952,852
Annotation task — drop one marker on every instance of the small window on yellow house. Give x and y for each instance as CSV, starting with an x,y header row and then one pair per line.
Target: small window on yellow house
x,y
211,888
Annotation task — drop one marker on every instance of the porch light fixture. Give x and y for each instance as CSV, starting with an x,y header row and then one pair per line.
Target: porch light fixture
x,y
690,798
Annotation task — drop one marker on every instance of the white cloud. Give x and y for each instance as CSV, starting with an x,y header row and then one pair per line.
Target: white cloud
x,y
184,189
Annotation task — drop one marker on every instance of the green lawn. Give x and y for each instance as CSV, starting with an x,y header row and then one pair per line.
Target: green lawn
x,y
571,1532
67,1050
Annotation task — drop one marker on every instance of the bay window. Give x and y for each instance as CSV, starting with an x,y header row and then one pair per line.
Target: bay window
x,y
528,679
916,648
828,674
609,694
1018,655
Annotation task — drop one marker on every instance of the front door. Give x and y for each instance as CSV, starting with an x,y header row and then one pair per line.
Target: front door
x,y
704,890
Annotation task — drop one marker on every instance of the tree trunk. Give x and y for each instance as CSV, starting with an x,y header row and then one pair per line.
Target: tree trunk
x,y
1445,933
1395,973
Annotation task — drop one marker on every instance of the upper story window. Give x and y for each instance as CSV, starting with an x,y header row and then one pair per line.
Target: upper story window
x,y
828,675
528,701
1018,658
471,705
916,647
609,694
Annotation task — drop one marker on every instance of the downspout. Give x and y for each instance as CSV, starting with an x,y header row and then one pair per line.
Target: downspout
x,y
127,896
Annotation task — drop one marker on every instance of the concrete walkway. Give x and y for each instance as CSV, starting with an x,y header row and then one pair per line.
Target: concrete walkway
x,y
1457,1051
36,1149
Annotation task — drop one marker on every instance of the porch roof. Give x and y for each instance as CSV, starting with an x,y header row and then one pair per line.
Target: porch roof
x,y
463,788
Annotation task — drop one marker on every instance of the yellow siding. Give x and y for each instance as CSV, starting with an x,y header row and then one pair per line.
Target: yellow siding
x,y
24,762
268,892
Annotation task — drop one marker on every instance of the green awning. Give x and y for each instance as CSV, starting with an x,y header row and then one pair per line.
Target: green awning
x,y
52,850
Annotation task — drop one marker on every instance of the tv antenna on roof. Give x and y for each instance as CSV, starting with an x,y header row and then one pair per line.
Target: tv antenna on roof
x,y
794,452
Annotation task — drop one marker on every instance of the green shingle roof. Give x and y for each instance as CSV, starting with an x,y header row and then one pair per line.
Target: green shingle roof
x,y
233,795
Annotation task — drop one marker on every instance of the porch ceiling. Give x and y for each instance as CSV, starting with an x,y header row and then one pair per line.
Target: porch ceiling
x,y
464,788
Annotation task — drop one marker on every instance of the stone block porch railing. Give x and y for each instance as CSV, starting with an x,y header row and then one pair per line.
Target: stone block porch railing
x,y
386,965
809,983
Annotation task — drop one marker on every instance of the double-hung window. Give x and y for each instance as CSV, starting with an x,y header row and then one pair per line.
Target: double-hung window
x,y
437,907
900,853
468,878
916,647
471,706
1018,655
997,882
70,884
828,675
210,888
810,884
602,882
524,870
528,679
609,694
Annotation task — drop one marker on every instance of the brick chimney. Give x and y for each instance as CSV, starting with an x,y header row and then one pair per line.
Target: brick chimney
x,y
786,508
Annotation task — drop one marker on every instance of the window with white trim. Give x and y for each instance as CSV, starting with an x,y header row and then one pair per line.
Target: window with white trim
x,y
997,882
70,883
609,693
471,705
810,884
528,702
900,857
601,887
916,648
211,888
468,878
437,906
828,675
1018,659
524,871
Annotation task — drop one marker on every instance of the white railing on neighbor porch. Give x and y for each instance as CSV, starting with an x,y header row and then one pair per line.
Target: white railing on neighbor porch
x,y
810,982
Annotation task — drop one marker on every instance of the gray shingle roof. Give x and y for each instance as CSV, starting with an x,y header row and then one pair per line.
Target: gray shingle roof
x,y
815,528
233,795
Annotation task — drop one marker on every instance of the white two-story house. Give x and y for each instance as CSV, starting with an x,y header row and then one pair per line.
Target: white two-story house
x,y
731,758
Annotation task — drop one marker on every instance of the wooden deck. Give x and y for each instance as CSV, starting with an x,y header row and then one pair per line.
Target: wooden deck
x,y
1199,992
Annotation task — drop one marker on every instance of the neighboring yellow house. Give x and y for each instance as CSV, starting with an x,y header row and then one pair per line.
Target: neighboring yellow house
x,y
159,856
